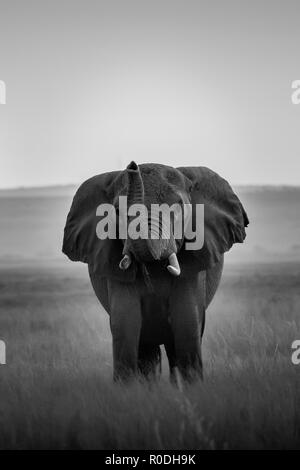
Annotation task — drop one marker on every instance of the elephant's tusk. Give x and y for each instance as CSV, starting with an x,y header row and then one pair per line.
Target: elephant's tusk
x,y
173,267
125,262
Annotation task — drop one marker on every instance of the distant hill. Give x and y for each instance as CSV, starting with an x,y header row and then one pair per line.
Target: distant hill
x,y
274,230
43,191
32,221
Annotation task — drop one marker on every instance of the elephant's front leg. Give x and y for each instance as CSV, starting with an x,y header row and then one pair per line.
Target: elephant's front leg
x,y
187,314
125,323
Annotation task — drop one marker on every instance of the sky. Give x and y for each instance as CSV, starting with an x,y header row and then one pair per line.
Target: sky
x,y
92,85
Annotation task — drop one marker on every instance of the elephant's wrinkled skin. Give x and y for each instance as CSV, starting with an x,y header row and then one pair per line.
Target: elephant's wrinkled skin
x,y
156,293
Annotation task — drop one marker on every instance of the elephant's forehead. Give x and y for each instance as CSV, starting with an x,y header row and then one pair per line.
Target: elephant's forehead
x,y
160,182
160,173
159,190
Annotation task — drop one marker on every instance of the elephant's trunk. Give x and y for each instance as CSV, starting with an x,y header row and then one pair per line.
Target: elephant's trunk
x,y
135,195
157,240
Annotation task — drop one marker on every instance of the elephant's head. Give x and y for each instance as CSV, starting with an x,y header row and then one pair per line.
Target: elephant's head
x,y
149,186
154,188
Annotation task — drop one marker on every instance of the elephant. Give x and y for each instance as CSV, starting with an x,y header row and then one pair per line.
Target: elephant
x,y
155,291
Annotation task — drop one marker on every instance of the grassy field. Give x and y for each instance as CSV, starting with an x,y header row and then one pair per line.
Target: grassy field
x,y
57,391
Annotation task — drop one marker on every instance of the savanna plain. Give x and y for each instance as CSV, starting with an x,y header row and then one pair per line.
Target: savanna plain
x,y
56,387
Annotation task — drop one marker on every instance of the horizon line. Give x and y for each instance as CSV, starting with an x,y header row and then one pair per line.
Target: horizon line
x,y
65,185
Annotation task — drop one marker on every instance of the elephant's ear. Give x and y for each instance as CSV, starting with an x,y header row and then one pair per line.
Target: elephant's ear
x,y
81,242
224,216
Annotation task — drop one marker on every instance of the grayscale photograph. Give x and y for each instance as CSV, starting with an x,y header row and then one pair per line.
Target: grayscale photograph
x,y
149,227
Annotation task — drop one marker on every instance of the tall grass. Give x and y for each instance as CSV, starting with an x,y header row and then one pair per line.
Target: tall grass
x,y
57,391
